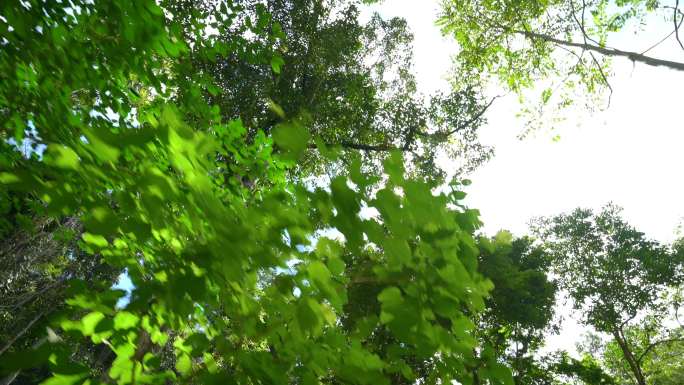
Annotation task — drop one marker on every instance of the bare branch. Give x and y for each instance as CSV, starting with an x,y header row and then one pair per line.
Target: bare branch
x,y
10,378
674,32
369,147
412,132
634,56
361,146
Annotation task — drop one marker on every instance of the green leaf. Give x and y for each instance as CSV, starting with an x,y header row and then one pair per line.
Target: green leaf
x,y
336,266
125,320
398,253
101,148
275,108
292,138
184,364
95,240
309,316
391,297
61,156
65,379
9,178
319,273
90,322
276,63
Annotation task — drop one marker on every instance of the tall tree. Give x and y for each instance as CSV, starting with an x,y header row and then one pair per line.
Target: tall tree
x,y
562,46
521,307
257,65
613,273
658,351
350,83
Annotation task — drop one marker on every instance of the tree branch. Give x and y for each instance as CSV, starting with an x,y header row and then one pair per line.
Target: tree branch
x,y
581,23
21,333
634,365
474,118
10,378
654,344
32,296
674,32
409,137
633,56
586,36
624,323
13,375
362,147
411,134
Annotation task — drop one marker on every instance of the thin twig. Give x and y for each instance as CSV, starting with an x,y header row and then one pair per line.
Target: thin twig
x,y
675,31
674,18
586,36
605,79
581,23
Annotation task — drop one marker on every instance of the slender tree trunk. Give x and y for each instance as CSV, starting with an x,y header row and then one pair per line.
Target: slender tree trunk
x,y
629,356
476,378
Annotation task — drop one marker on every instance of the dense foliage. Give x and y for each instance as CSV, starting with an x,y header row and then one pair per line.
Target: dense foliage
x,y
616,276
350,83
520,308
250,192
233,280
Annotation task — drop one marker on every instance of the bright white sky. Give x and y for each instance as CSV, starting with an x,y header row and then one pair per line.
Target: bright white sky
x,y
630,154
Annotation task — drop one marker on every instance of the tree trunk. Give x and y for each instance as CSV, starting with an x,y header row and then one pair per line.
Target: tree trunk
x,y
629,356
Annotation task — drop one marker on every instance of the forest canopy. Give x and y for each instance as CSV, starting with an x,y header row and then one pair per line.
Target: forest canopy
x,y
288,208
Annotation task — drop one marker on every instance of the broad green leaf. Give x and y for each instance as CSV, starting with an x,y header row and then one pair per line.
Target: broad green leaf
x,y
9,178
391,297
90,322
276,63
62,157
65,379
184,364
293,138
95,240
125,320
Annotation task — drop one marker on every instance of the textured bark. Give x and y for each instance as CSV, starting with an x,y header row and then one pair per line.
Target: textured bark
x,y
633,56
629,357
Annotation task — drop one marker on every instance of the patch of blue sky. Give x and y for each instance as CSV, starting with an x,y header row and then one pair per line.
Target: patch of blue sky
x,y
123,282
30,144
